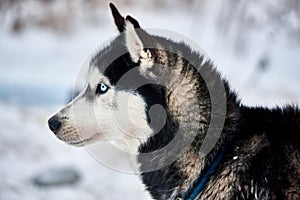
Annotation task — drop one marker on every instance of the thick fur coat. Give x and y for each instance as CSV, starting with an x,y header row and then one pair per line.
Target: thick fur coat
x,y
261,146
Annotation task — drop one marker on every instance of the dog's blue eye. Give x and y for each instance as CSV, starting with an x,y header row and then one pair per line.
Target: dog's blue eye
x,y
101,88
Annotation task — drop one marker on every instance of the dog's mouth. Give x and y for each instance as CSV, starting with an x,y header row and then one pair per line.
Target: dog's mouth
x,y
83,142
72,136
78,143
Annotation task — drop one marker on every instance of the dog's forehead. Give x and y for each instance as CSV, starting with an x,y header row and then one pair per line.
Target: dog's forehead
x,y
95,76
108,51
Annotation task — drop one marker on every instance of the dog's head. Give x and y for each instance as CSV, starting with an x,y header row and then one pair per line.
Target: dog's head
x,y
111,107
126,82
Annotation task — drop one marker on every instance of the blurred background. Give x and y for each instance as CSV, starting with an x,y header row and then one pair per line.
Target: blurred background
x,y
43,44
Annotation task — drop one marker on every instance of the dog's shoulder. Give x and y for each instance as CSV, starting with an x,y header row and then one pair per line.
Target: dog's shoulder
x,y
268,148
280,125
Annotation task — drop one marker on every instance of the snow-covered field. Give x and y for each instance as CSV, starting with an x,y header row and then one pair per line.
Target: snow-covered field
x,y
38,69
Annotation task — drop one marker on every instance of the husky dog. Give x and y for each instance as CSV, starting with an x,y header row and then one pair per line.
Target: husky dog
x,y
256,155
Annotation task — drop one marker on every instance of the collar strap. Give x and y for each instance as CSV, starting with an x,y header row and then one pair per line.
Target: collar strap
x,y
195,192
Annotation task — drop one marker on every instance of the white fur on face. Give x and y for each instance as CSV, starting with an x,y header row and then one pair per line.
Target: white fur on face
x,y
115,115
78,123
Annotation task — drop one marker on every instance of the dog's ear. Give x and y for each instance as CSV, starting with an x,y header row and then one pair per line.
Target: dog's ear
x,y
137,40
120,20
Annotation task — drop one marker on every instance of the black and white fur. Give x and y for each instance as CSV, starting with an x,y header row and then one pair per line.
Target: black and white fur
x,y
262,158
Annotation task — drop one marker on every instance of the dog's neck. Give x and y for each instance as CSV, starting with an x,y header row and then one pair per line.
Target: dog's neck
x,y
188,115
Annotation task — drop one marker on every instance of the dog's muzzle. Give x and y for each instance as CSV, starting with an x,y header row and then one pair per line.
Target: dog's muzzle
x,y
54,124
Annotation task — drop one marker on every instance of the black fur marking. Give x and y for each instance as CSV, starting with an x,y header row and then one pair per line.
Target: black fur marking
x,y
119,19
133,21
152,94
118,68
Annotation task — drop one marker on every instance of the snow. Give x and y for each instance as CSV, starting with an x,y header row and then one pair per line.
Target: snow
x,y
38,69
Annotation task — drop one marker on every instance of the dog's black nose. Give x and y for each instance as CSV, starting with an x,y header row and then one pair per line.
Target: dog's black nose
x,y
54,124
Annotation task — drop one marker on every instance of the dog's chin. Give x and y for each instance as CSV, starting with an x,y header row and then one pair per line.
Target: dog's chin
x,y
80,142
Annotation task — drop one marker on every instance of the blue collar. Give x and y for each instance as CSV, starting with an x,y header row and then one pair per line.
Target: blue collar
x,y
194,192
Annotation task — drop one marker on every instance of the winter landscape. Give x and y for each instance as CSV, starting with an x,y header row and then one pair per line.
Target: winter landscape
x,y
44,44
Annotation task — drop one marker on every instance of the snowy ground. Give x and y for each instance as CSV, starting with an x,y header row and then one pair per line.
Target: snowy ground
x,y
38,69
